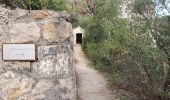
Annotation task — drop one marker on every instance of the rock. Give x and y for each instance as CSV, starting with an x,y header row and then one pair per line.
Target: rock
x,y
3,39
14,85
24,32
42,86
33,97
64,14
14,93
1,30
62,89
16,65
5,29
4,14
1,68
57,31
54,61
65,89
3,36
56,14
40,14
19,13
61,14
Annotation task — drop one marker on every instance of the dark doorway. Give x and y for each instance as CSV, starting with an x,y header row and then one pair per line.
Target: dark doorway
x,y
79,38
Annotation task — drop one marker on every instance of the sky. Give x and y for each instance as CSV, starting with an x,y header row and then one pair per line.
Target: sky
x,y
161,9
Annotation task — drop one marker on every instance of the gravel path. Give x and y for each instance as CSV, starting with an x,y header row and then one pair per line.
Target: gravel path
x,y
91,84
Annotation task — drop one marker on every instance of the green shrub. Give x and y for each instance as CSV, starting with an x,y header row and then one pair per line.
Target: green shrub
x,y
125,51
56,5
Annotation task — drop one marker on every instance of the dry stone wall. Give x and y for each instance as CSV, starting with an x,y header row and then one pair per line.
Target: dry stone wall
x,y
51,76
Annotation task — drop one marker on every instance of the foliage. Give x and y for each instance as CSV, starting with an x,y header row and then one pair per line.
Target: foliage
x,y
130,51
159,34
38,4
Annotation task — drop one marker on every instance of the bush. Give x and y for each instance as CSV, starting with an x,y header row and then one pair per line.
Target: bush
x,y
127,53
56,5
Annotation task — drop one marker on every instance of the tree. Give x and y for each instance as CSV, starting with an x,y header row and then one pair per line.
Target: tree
x,y
57,5
130,51
155,23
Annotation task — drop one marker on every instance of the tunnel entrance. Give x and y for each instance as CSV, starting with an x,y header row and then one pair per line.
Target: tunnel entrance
x,y
79,38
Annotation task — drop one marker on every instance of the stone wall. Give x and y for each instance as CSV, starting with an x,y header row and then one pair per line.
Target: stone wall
x,y
51,76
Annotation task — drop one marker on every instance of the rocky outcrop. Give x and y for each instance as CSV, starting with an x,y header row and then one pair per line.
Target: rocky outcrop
x,y
51,76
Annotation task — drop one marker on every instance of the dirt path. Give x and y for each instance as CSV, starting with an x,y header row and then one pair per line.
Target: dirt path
x,y
91,84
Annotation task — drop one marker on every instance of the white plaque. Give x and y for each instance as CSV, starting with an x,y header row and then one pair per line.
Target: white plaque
x,y
19,52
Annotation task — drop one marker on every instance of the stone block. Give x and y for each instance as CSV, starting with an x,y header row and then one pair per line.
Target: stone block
x,y
19,13
54,61
15,65
1,68
56,89
24,32
40,14
33,97
13,85
57,31
1,30
64,14
64,89
42,86
4,38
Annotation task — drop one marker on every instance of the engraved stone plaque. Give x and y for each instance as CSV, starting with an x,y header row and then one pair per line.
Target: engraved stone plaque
x,y
19,52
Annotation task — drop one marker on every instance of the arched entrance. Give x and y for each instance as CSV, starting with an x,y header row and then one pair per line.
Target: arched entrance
x,y
78,35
